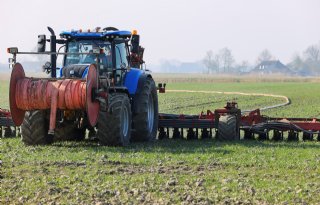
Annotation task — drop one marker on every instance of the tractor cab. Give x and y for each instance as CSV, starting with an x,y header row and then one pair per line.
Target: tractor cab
x,y
107,48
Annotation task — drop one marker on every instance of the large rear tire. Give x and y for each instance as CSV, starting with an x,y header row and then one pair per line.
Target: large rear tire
x,y
227,129
146,113
34,128
114,126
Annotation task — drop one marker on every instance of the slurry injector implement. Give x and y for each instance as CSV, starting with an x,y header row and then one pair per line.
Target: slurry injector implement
x,y
230,123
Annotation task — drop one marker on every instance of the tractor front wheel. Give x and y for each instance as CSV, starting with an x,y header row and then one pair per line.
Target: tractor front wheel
x,y
34,128
145,113
114,126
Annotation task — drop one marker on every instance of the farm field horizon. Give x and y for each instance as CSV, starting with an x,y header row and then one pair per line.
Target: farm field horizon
x,y
174,171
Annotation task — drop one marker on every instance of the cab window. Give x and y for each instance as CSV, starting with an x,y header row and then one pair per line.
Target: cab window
x,y
121,55
84,50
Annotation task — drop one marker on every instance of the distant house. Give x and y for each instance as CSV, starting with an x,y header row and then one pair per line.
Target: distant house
x,y
271,67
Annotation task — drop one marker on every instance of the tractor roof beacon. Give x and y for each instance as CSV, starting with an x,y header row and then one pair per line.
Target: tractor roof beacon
x,y
101,86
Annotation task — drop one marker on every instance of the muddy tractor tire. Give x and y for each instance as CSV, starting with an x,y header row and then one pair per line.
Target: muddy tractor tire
x,y
227,128
146,113
34,128
114,126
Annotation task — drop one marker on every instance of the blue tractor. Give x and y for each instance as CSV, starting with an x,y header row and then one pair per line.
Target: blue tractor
x,y
127,94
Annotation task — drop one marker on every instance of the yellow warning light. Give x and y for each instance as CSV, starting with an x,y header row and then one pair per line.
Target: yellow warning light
x,y
134,32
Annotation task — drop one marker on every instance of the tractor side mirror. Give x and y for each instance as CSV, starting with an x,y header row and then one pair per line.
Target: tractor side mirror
x,y
46,67
41,43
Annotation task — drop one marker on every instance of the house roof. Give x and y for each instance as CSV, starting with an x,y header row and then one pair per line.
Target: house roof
x,y
273,66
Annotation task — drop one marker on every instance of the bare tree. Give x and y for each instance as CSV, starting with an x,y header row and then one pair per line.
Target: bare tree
x,y
207,61
227,59
241,67
212,62
312,53
296,63
244,66
312,58
310,61
265,55
217,62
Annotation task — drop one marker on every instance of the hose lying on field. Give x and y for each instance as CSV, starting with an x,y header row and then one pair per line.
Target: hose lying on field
x,y
287,100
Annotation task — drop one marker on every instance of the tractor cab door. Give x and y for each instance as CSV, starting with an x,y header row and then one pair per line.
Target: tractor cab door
x,y
121,60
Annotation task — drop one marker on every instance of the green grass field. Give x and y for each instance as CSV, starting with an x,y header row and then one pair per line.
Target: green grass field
x,y
4,94
173,171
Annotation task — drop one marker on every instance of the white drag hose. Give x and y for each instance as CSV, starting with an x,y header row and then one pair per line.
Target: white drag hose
x,y
287,100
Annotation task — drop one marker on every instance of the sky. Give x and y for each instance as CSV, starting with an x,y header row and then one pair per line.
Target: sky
x,y
173,29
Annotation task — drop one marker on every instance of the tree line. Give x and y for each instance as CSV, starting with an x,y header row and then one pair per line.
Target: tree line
x,y
224,62
309,61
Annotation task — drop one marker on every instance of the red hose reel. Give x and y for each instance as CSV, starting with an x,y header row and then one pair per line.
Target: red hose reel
x,y
28,94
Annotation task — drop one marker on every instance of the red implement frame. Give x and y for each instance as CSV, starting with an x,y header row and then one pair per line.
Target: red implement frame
x,y
254,117
247,121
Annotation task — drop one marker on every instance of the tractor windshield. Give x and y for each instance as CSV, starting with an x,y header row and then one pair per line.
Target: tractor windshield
x,y
86,47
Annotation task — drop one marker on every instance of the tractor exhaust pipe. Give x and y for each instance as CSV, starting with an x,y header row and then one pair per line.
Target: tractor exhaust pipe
x,y
53,49
28,94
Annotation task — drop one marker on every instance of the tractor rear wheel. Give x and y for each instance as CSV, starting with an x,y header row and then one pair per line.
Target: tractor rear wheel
x,y
34,128
227,128
114,126
146,113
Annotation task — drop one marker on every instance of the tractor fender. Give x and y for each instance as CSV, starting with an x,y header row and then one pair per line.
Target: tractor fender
x,y
134,80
